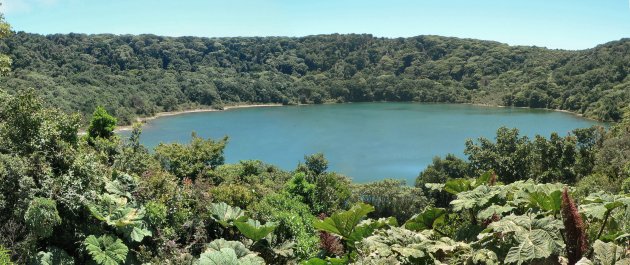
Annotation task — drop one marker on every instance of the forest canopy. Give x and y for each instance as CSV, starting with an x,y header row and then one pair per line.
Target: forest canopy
x,y
139,75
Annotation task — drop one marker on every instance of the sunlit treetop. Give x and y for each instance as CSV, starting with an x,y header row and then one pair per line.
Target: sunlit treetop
x,y
5,61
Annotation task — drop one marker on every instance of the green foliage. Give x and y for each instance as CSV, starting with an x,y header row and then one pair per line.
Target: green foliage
x,y
53,256
221,252
189,161
233,194
316,163
5,256
442,169
299,187
102,124
147,211
106,250
609,253
156,213
514,157
526,237
116,212
5,61
401,246
426,220
548,202
345,223
145,74
253,230
294,222
391,198
42,216
226,215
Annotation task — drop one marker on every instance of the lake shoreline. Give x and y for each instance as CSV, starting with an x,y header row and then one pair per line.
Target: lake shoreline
x,y
180,112
240,106
557,110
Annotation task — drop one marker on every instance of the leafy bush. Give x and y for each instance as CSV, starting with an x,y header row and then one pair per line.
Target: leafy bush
x,y
102,124
42,216
53,256
233,194
293,219
189,161
391,198
156,213
5,256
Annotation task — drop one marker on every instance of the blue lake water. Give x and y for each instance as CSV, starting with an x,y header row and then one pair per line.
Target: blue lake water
x,y
365,141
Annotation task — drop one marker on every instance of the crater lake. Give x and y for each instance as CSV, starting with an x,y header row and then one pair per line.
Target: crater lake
x,y
365,141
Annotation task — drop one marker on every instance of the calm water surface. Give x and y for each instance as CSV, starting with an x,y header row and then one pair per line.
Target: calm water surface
x,y
366,141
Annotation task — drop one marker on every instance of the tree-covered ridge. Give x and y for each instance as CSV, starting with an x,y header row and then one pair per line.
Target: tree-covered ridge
x,y
141,75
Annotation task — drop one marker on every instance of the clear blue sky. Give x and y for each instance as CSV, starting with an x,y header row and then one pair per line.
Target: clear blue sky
x,y
566,24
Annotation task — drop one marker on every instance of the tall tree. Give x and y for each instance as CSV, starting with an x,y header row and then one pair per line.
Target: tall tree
x,y
102,124
5,31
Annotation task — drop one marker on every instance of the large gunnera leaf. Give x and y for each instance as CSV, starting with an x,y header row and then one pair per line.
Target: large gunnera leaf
x,y
609,253
106,250
253,230
222,252
426,220
536,244
343,223
225,214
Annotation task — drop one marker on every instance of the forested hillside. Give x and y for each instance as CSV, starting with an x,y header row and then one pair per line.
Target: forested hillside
x,y
141,75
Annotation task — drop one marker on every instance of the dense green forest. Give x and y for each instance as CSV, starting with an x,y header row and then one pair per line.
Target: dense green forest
x,y
141,75
101,199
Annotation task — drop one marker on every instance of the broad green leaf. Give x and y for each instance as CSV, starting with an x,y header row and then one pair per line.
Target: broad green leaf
x,y
401,246
491,210
477,198
225,214
536,244
609,253
224,256
139,232
238,247
598,204
222,252
253,230
106,250
118,188
367,227
547,202
343,223
426,220
455,186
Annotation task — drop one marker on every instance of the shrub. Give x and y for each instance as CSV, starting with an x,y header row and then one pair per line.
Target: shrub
x,y
294,220
391,198
42,216
233,194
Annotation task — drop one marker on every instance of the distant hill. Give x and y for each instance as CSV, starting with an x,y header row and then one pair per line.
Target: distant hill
x,y
141,75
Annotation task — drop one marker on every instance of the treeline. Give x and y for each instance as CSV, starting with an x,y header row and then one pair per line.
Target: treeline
x,y
141,75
